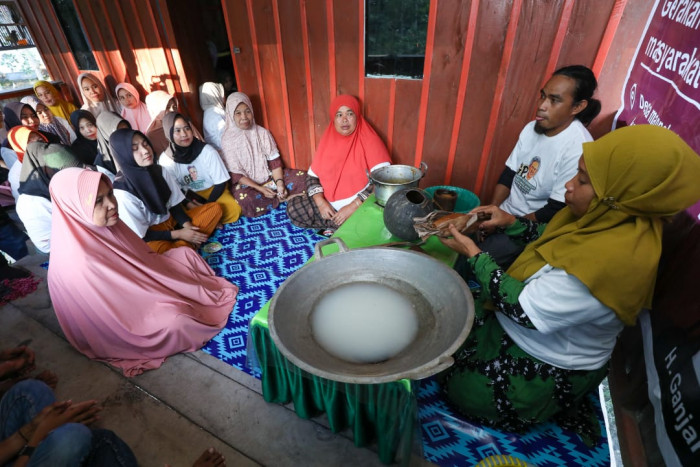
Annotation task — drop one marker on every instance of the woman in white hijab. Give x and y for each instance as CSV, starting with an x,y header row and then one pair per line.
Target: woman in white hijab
x,y
96,99
211,98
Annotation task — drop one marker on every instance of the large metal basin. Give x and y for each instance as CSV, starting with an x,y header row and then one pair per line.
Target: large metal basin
x,y
441,299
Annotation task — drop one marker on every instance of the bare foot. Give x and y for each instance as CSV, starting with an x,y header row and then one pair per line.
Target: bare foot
x,y
48,377
210,458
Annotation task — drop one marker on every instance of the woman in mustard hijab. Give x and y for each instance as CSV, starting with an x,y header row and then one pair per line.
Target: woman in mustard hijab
x,y
545,328
51,98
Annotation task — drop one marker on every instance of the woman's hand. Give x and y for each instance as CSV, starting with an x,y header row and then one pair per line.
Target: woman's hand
x,y
190,233
345,212
498,218
324,207
460,243
191,204
281,189
58,414
266,192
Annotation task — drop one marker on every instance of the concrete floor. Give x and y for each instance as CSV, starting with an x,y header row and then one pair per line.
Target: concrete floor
x,y
194,401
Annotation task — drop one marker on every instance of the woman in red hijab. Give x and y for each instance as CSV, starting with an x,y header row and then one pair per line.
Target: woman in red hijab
x,y
337,183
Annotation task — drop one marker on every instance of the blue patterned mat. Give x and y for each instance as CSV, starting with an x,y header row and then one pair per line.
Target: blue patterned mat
x,y
449,440
259,254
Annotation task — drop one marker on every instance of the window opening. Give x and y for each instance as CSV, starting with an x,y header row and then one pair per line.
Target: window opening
x,y
77,41
20,62
395,36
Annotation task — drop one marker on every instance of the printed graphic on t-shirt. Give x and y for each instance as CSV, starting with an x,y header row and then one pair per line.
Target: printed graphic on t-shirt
x,y
191,179
525,176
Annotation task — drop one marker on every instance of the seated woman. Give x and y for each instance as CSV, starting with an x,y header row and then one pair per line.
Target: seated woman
x,y
152,204
19,137
150,306
56,125
96,99
337,181
158,104
49,95
40,163
258,180
85,145
21,114
108,123
211,98
196,166
50,123
558,309
133,110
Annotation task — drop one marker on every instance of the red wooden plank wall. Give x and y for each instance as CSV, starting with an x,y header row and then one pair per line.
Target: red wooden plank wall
x,y
485,64
132,41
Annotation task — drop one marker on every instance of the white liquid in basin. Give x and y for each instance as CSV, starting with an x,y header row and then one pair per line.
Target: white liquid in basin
x,y
364,322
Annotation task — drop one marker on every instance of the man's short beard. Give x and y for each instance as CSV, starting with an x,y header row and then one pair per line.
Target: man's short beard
x,y
539,129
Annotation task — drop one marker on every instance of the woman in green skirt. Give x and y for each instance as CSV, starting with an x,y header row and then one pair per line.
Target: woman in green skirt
x,y
545,328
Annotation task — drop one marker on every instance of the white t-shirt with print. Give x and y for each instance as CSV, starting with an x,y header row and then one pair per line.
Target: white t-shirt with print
x,y
137,216
204,172
542,165
574,329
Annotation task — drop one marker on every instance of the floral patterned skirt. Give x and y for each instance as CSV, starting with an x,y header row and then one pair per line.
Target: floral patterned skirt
x,y
254,204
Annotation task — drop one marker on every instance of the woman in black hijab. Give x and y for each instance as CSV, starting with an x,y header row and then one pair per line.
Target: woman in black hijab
x,y
85,145
150,200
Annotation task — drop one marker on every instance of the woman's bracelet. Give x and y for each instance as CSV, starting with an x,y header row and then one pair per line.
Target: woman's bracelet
x,y
279,180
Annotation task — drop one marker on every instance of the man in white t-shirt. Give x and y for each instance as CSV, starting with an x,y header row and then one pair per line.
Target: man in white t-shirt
x,y
545,156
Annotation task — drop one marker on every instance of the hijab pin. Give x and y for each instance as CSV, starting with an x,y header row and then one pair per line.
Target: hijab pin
x,y
610,202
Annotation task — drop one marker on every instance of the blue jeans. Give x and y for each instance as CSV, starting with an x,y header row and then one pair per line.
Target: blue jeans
x,y
71,444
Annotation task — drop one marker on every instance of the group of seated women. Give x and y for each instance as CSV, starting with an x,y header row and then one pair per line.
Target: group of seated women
x,y
544,328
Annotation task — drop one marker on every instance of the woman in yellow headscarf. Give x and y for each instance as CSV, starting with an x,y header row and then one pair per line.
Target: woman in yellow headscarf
x,y
49,95
558,309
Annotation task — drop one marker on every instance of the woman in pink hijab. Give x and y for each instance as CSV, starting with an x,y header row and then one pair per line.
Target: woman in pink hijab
x,y
133,110
116,300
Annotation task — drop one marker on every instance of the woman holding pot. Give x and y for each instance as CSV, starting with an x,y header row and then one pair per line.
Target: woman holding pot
x,y
559,308
336,184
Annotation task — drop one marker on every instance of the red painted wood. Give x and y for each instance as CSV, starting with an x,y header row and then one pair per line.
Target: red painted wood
x,y
408,98
610,30
284,105
462,118
427,69
558,42
255,41
347,49
390,118
330,25
236,17
271,95
304,159
462,89
496,105
446,69
586,28
319,64
361,51
376,105
299,106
